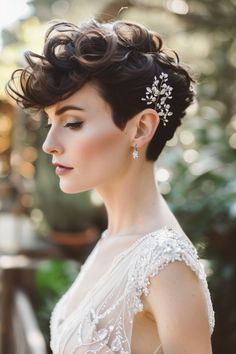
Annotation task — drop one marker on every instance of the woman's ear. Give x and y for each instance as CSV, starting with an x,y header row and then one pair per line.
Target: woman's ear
x,y
146,124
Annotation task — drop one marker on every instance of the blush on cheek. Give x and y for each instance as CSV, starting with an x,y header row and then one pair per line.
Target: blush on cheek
x,y
103,143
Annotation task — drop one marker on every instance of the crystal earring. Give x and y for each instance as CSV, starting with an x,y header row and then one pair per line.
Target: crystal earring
x,y
135,152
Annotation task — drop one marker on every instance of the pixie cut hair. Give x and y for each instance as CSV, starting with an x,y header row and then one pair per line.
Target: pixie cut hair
x,y
121,58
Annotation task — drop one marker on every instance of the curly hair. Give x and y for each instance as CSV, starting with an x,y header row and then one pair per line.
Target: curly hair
x,y
121,57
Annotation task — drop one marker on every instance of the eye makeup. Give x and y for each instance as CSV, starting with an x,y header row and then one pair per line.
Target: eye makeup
x,y
74,125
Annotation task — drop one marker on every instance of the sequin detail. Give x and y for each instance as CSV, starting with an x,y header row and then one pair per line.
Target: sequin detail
x,y
102,322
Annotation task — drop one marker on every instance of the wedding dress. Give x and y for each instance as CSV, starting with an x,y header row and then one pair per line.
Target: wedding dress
x,y
102,322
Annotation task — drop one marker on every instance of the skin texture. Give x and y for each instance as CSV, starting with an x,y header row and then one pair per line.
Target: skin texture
x,y
180,312
101,157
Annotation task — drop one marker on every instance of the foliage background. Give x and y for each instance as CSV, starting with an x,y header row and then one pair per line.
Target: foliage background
x,y
196,172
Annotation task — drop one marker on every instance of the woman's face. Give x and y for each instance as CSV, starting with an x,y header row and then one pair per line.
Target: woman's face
x,y
83,137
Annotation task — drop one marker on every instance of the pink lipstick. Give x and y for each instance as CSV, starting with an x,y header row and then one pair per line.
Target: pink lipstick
x,y
61,169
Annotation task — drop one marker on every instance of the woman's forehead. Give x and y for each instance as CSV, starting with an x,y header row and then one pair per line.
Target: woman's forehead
x,y
86,100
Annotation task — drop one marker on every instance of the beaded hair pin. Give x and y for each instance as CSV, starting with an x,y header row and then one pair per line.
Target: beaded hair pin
x,y
159,93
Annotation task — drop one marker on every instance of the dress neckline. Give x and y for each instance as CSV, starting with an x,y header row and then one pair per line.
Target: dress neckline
x,y
104,235
115,261
131,247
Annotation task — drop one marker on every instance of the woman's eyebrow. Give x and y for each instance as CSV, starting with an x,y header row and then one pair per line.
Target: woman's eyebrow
x,y
68,107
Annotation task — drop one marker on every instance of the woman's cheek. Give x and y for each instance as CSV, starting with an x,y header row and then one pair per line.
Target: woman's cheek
x,y
100,143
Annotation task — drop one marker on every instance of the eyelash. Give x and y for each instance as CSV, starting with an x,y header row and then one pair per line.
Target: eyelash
x,y
72,126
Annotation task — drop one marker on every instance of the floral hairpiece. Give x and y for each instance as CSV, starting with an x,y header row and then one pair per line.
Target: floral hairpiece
x,y
159,93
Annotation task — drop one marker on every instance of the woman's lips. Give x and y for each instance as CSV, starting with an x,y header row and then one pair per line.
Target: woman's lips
x,y
62,170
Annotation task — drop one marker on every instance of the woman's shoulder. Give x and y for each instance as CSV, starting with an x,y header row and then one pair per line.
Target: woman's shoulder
x,y
164,246
159,249
167,244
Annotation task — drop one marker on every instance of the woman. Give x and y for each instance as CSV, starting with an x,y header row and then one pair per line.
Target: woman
x,y
113,96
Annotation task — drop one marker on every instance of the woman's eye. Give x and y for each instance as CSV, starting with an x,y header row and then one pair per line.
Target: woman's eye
x,y
74,125
68,125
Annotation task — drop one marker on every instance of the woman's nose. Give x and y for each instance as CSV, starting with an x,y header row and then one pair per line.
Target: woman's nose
x,y
51,147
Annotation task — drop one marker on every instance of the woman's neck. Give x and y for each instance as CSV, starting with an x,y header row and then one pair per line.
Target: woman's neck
x,y
134,204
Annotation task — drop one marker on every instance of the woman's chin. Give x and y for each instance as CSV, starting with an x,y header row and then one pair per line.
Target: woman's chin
x,y
70,189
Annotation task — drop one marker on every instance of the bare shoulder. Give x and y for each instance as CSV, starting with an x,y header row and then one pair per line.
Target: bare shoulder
x,y
177,303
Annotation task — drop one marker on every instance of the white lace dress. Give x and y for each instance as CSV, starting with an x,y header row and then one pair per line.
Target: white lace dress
x,y
102,322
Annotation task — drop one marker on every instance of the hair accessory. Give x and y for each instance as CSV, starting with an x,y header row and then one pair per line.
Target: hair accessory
x,y
159,93
135,152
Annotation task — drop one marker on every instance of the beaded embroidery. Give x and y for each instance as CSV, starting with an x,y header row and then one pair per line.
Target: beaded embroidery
x,y
102,322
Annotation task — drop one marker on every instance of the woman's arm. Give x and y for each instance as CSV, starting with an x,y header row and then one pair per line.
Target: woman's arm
x,y
178,304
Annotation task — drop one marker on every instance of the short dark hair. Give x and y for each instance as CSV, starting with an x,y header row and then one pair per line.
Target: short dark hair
x,y
121,57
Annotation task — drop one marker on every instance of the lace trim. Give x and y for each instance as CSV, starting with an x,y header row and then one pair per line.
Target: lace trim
x,y
161,253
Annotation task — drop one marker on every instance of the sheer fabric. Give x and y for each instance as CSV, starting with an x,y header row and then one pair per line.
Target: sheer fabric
x,y
102,322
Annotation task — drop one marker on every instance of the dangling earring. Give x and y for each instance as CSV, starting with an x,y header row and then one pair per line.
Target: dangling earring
x,y
135,152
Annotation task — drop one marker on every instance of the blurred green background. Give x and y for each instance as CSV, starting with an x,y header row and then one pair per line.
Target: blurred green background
x,y
196,172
